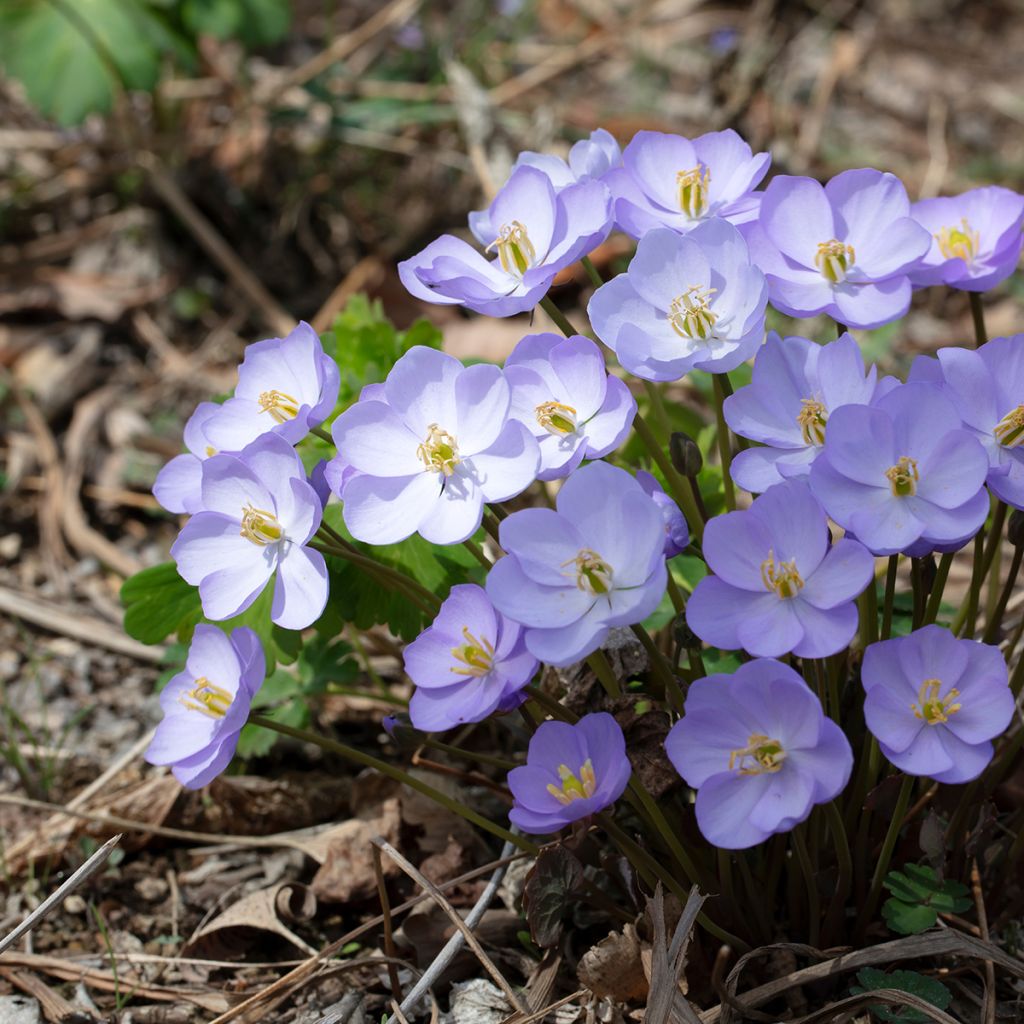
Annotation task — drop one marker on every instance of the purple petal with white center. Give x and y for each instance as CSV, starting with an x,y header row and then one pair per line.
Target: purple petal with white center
x,y
209,542
736,545
796,523
455,515
787,799
842,576
826,632
417,274
583,223
421,386
300,592
482,401
525,601
723,807
667,264
508,466
579,367
653,159
228,592
953,471
178,486
372,438
969,760
891,719
610,425
543,542
796,216
529,198
567,644
385,510
869,305
229,485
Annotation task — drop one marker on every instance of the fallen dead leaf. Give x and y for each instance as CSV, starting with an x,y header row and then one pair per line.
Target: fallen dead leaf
x,y
614,967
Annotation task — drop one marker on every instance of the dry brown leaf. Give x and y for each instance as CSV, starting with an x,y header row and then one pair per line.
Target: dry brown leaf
x,y
614,967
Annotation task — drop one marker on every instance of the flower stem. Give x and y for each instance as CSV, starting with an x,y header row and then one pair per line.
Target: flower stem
x,y
813,896
469,755
888,845
845,861
595,277
676,484
675,594
963,624
369,761
324,435
475,550
658,407
868,606
931,612
660,822
996,617
890,594
978,316
724,444
601,667
661,668
561,320
491,524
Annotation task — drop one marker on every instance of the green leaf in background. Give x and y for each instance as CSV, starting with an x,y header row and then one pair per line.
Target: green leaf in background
x,y
918,897
919,985
158,602
254,22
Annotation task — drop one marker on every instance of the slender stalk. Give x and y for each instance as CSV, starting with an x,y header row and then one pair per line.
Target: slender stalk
x,y
992,584
724,858
813,896
995,618
888,845
595,277
868,606
675,594
661,668
665,830
561,320
677,485
978,316
469,755
931,611
963,624
842,847
602,668
477,553
890,594
322,434
491,524
658,407
917,583
369,761
724,444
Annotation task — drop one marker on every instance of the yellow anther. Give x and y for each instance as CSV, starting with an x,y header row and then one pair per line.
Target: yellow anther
x,y
210,450
574,787
691,315
812,418
593,573
761,755
693,190
834,260
959,243
931,707
260,526
782,577
556,418
281,407
904,477
475,657
206,698
440,452
1009,431
516,253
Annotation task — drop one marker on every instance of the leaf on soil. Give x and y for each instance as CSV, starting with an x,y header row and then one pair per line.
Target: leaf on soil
x,y
929,989
549,891
614,967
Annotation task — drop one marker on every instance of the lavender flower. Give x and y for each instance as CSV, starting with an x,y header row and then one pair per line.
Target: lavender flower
x,y
535,233
778,585
571,772
796,386
986,386
428,457
572,574
178,485
258,514
844,249
285,385
668,181
469,662
935,702
902,470
759,751
562,394
686,302
677,532
206,705
976,238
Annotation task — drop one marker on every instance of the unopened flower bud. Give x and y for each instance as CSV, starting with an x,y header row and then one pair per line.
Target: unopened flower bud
x,y
685,453
1015,528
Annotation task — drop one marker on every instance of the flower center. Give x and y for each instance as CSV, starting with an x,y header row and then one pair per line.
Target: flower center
x,y
475,657
959,243
1009,430
516,253
281,407
691,315
932,708
207,698
556,418
574,787
834,259
782,577
761,754
210,451
260,526
440,452
593,573
693,190
904,477
812,419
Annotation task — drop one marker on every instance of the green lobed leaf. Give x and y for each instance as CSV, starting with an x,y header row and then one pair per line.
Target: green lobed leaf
x,y
158,602
928,989
908,918
254,22
548,893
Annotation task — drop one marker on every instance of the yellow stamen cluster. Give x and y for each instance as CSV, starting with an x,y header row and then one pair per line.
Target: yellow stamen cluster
x,y
834,259
556,418
282,407
516,253
812,418
761,755
904,477
440,452
593,573
475,657
959,243
691,315
782,577
260,526
207,698
574,787
931,707
1009,431
693,190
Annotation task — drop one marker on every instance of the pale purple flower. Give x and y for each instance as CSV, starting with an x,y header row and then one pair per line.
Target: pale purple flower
x,y
207,703
902,470
668,181
535,232
285,385
563,395
677,533
571,772
686,302
844,249
759,751
470,661
976,238
796,386
572,574
778,585
935,703
178,485
987,387
258,515
428,457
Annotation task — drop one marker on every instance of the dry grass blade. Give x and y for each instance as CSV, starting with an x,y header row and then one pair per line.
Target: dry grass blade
x,y
835,1012
988,1015
541,1014
666,1004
